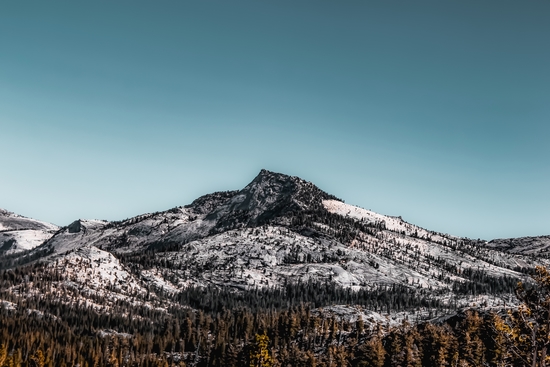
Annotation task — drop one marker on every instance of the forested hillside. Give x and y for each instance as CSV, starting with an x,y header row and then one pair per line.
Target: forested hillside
x,y
279,273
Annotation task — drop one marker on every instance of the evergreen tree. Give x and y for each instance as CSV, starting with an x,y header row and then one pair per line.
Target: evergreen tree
x,y
525,334
259,355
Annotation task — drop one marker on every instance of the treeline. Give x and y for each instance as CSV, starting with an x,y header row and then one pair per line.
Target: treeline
x,y
314,294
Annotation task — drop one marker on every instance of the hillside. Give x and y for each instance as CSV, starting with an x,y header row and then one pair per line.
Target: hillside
x,y
280,243
18,233
278,229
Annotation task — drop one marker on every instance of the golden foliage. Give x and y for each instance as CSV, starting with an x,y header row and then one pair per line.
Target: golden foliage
x,y
259,355
523,336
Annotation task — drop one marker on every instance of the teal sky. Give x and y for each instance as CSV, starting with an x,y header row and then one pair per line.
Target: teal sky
x,y
436,111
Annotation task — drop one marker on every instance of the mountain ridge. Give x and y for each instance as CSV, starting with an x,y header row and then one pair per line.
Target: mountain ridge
x,y
277,230
206,203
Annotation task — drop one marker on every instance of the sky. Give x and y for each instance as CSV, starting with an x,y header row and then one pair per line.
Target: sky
x,y
437,111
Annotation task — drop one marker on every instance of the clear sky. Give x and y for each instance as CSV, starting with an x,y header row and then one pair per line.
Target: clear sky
x,y
436,111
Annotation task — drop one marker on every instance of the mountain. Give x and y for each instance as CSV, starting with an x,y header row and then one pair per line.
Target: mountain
x,y
276,230
279,255
18,233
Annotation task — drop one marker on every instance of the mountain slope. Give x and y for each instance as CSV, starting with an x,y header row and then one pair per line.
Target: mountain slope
x,y
538,246
277,230
198,284
18,233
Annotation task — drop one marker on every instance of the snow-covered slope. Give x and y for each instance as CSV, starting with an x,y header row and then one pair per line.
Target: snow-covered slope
x,y
393,224
18,233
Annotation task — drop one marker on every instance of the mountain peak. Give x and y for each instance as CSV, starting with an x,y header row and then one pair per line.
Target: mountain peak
x,y
269,196
274,180
84,224
266,175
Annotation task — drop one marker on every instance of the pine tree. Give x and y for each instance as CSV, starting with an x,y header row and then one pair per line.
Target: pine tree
x,y
259,355
3,354
413,354
439,346
525,334
372,352
470,342
39,359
